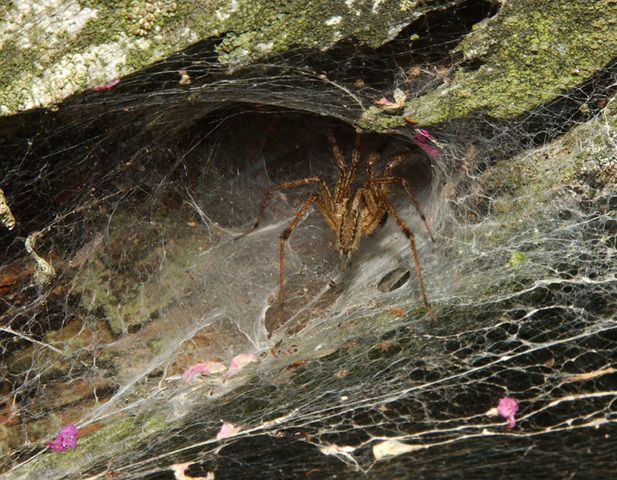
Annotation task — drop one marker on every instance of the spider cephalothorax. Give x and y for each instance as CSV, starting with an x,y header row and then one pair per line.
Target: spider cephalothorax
x,y
351,215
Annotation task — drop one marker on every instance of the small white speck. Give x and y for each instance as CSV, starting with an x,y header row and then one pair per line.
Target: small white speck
x,y
265,47
224,15
334,20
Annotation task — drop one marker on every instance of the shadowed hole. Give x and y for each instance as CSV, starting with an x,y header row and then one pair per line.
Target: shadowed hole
x,y
393,280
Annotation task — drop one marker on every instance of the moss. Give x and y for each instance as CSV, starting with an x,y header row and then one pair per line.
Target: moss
x,y
530,53
278,26
516,258
519,185
66,59
157,346
381,120
115,323
542,48
111,43
384,318
129,431
132,279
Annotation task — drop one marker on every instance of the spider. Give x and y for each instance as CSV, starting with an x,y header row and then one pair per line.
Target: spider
x,y
351,215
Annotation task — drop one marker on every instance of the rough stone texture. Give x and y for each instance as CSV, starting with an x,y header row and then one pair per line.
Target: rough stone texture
x,y
51,49
524,56
529,54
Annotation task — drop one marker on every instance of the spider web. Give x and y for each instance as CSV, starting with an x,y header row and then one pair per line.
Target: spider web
x,y
130,201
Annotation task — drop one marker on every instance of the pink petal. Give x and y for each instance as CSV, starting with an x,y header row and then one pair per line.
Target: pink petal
x,y
66,438
56,446
507,408
206,368
107,86
423,139
238,363
227,430
384,101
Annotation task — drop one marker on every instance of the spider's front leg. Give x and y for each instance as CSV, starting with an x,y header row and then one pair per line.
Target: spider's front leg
x,y
388,180
293,183
313,197
324,203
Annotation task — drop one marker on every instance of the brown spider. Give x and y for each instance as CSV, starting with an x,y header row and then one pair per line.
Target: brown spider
x,y
351,216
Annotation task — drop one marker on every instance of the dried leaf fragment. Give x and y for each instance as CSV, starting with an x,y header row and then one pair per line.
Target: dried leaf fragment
x,y
399,100
43,272
396,311
6,217
393,448
180,468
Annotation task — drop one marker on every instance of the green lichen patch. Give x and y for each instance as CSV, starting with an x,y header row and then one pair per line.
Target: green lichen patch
x,y
516,258
47,56
540,204
583,157
120,435
50,53
147,15
134,278
530,53
272,27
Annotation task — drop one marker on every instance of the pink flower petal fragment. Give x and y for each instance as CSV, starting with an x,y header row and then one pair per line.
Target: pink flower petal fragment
x,y
107,86
238,363
385,102
507,408
227,430
206,368
423,140
66,438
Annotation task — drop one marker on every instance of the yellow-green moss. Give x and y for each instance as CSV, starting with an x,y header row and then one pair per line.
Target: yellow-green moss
x,y
530,54
122,37
516,258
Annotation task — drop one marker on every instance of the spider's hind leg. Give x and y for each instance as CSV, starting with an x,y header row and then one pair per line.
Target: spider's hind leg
x,y
409,236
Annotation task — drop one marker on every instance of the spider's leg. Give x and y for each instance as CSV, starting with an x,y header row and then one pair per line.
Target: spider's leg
x,y
294,183
313,197
355,159
382,191
403,182
375,213
393,163
409,235
370,171
340,182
